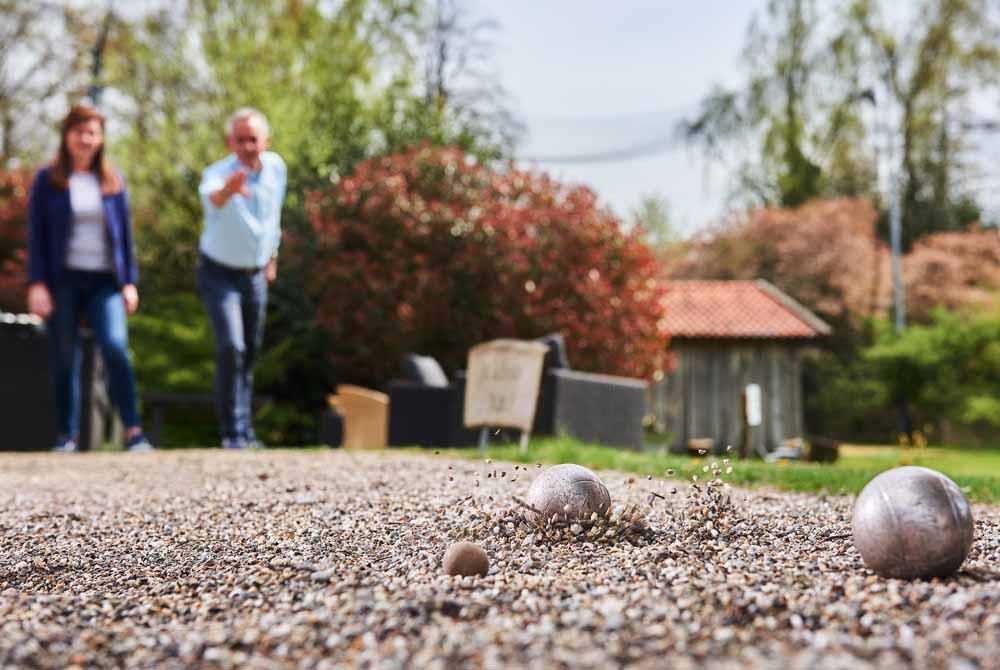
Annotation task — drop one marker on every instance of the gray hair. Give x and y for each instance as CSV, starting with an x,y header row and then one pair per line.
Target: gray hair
x,y
247,114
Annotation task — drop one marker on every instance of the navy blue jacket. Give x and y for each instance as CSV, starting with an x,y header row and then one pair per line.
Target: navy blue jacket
x,y
50,217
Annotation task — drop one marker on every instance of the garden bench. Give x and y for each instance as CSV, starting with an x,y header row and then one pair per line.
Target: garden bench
x,y
156,403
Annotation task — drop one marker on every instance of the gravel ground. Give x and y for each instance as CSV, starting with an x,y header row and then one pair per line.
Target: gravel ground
x,y
331,559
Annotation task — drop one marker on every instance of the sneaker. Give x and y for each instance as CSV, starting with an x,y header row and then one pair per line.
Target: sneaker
x,y
253,443
138,444
66,445
234,443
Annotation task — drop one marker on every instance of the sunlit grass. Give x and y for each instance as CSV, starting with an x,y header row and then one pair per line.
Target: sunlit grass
x,y
977,471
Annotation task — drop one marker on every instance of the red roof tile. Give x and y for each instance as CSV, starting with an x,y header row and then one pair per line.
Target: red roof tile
x,y
736,309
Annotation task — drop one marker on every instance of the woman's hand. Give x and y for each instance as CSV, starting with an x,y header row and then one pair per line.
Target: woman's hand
x,y
131,296
39,300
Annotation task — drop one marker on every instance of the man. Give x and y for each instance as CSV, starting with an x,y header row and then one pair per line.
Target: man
x,y
242,196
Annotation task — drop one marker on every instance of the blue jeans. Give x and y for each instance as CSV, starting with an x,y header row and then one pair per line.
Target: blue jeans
x,y
236,301
96,296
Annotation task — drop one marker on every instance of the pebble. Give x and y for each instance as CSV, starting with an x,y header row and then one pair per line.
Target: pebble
x,y
333,559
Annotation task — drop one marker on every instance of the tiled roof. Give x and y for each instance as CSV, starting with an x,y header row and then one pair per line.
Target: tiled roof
x,y
736,309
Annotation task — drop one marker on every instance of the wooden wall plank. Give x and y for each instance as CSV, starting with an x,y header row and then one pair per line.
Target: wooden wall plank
x,y
702,397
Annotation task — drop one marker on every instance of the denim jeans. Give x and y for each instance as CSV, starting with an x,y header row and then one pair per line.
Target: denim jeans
x,y
236,301
96,296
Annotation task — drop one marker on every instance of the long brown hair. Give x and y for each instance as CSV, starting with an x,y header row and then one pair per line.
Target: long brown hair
x,y
62,166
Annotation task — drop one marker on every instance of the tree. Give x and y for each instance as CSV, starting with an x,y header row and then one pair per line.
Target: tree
x,y
652,216
41,60
429,251
171,131
949,368
457,73
798,113
179,72
816,114
339,82
946,52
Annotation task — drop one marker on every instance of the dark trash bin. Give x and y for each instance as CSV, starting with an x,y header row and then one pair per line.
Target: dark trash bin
x,y
605,409
425,407
27,416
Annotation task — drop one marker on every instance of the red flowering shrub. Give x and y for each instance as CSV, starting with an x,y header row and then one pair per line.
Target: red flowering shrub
x,y
14,190
428,252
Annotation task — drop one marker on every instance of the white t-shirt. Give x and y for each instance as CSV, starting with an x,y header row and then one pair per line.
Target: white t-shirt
x,y
89,247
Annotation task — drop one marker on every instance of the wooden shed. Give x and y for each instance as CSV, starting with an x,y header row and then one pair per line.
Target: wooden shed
x,y
726,335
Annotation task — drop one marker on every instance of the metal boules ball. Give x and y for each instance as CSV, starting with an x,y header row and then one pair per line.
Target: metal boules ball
x,y
912,522
568,491
466,559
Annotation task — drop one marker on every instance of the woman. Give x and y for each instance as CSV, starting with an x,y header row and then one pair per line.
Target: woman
x,y
81,264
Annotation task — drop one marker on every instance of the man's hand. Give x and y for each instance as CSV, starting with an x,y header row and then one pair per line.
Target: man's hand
x,y
271,270
236,183
39,300
131,297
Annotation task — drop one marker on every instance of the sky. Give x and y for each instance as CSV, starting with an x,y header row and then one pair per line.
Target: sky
x,y
593,77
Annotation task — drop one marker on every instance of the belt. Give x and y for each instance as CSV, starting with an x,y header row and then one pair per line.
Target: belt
x,y
208,260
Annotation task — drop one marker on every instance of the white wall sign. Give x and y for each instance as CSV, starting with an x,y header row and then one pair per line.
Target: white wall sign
x,y
755,412
502,384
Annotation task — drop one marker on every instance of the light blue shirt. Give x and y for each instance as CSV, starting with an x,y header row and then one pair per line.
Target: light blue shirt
x,y
246,231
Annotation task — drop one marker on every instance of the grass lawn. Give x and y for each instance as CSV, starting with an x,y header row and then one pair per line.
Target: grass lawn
x,y
977,471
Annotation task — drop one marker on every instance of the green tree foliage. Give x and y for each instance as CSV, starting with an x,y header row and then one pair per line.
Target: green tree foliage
x,y
42,59
832,86
179,72
337,82
652,216
798,113
945,52
949,369
457,77
340,82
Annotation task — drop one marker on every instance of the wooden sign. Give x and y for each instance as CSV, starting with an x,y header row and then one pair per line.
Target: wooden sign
x,y
501,389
